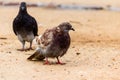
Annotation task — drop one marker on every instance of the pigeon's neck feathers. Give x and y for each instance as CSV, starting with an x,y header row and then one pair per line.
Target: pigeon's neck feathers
x,y
23,12
62,30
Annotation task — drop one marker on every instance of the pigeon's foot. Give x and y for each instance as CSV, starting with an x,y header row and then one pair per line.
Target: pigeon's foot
x,y
29,49
47,62
58,62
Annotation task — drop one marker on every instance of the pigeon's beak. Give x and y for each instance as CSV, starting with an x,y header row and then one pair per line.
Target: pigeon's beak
x,y
73,29
22,8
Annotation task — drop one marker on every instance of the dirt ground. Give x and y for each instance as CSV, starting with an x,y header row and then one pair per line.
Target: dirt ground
x,y
94,53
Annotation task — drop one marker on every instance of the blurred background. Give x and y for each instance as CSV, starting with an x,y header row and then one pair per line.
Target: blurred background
x,y
86,2
99,17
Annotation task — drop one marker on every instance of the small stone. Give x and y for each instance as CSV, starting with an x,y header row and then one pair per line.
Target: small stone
x,y
77,53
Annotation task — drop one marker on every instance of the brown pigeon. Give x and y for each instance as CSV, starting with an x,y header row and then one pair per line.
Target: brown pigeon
x,y
53,43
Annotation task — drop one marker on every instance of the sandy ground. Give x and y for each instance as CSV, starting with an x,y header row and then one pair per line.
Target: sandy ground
x,y
94,53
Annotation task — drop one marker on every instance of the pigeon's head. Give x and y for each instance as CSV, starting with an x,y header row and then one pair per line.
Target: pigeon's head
x,y
66,27
23,7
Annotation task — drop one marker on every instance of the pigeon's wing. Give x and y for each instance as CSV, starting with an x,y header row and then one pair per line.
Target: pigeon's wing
x,y
15,26
47,38
30,22
35,27
66,44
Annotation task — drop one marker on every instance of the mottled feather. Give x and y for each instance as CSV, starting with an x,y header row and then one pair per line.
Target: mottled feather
x,y
54,42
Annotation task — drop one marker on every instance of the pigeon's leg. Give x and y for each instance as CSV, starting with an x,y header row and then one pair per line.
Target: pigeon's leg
x,y
58,61
30,48
23,46
46,61
30,45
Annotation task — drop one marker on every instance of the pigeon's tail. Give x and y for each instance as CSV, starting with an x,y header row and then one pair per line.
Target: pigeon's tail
x,y
37,56
32,56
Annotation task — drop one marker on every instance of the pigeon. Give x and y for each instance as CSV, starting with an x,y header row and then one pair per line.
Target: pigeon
x,y
25,26
53,43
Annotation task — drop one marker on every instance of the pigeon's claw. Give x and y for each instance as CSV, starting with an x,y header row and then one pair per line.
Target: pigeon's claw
x,y
58,62
29,48
46,62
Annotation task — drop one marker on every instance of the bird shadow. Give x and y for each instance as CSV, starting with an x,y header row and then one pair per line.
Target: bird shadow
x,y
3,38
25,50
50,63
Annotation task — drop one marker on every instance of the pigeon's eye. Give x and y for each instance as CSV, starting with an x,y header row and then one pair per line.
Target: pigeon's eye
x,y
67,27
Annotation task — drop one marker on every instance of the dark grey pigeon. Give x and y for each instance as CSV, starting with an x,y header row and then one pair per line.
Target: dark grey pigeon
x,y
53,43
25,26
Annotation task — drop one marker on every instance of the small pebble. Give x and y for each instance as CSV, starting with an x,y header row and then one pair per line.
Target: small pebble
x,y
77,53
